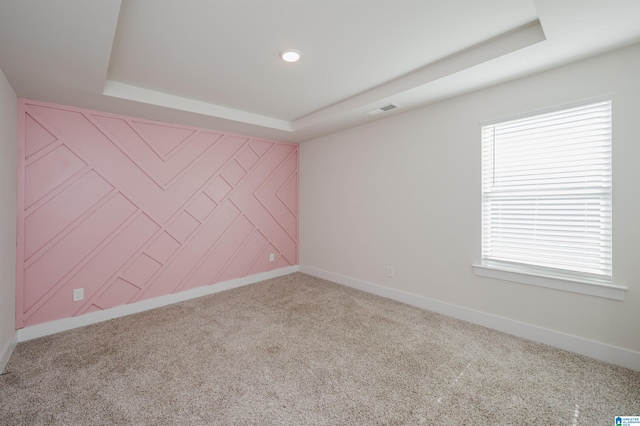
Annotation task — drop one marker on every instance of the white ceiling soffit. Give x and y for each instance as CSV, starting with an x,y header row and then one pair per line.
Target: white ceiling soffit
x,y
216,64
488,50
140,94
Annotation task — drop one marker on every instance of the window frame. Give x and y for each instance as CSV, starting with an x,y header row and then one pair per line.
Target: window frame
x,y
559,279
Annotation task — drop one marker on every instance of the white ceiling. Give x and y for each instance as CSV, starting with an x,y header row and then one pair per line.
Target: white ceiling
x,y
216,63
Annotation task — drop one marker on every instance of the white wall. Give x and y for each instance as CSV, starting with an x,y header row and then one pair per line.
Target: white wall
x,y
405,191
8,164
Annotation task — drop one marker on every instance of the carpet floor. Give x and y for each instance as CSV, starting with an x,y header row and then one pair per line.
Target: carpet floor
x,y
298,350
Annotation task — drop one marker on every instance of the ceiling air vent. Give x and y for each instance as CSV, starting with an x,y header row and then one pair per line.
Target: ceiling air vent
x,y
382,109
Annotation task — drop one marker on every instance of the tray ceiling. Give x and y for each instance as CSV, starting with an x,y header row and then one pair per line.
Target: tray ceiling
x,y
216,64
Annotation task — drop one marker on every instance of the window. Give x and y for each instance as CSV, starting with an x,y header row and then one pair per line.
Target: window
x,y
546,194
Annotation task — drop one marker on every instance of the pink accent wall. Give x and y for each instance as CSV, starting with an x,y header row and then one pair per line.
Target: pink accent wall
x,y
131,209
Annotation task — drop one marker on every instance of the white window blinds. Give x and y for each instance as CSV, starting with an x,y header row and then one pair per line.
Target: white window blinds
x,y
546,191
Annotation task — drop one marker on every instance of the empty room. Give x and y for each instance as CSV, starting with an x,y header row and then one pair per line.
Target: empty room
x,y
319,212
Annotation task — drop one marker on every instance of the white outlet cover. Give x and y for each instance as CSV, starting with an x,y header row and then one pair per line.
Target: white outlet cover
x,y
272,257
78,294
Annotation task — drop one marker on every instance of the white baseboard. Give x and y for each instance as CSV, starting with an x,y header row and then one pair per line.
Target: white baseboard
x,y
601,351
52,327
6,352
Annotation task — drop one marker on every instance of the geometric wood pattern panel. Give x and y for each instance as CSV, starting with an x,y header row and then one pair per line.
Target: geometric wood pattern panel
x,y
129,209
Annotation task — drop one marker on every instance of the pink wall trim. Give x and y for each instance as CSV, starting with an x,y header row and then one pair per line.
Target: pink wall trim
x,y
130,209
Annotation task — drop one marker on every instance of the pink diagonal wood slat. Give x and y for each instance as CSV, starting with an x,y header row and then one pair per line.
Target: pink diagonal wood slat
x,y
130,209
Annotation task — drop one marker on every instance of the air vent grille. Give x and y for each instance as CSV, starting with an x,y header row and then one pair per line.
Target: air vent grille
x,y
382,109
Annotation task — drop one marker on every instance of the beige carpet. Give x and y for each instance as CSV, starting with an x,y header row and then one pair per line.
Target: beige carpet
x,y
298,350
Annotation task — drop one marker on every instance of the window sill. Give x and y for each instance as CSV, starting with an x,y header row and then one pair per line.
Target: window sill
x,y
608,291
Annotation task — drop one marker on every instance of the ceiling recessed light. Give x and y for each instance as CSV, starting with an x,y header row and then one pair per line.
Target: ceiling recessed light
x,y
290,55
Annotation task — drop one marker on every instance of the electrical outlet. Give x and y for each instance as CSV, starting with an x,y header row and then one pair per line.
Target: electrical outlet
x,y
272,257
78,294
389,271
